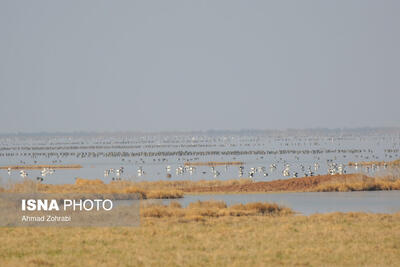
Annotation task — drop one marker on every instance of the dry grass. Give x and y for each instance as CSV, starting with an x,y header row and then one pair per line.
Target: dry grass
x,y
370,184
207,204
86,186
164,194
201,210
187,184
360,182
376,163
260,208
38,167
305,184
352,239
176,189
81,181
135,190
213,163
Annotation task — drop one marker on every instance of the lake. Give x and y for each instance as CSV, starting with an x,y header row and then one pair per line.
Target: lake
x,y
312,202
265,155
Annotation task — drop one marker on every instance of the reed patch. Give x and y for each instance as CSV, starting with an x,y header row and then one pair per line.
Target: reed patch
x,y
206,209
336,239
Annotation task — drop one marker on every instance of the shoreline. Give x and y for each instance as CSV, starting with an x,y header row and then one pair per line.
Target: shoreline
x,y
279,192
41,166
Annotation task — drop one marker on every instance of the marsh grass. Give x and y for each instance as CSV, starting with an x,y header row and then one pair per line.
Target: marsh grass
x,y
81,181
200,210
214,163
164,194
38,167
158,189
181,185
360,183
388,180
337,239
376,163
92,187
260,208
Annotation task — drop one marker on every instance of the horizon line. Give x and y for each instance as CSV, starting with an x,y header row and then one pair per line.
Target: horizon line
x,y
89,132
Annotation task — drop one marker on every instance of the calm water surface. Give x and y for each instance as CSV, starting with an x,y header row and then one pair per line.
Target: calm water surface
x,y
161,155
314,202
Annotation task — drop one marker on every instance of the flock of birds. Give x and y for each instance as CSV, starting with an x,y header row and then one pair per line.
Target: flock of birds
x,y
43,173
118,173
253,172
288,170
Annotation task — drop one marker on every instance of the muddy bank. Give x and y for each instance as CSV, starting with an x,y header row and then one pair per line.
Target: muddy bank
x,y
293,184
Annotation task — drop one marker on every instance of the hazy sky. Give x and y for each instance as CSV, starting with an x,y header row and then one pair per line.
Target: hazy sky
x,y
198,65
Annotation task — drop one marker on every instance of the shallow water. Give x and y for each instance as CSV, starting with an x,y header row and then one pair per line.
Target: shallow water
x,y
154,153
313,202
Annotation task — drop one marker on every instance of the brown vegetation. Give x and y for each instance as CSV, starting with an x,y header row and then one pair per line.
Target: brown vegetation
x,y
164,194
367,184
213,163
200,210
186,184
337,239
176,189
38,167
82,181
93,187
315,183
376,163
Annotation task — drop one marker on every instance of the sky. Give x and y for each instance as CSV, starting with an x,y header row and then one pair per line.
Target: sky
x,y
198,65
